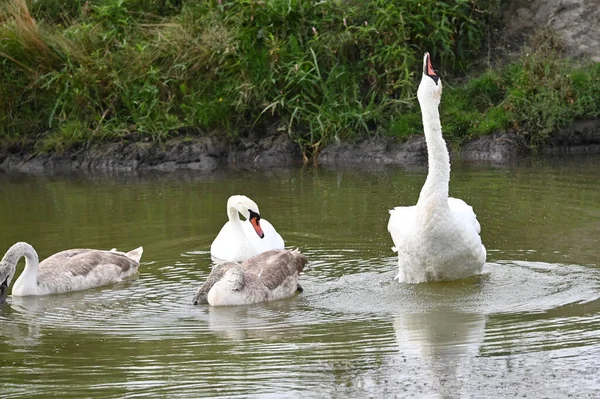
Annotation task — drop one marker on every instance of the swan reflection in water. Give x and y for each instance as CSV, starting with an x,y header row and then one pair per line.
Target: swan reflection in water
x,y
266,321
443,344
24,318
19,324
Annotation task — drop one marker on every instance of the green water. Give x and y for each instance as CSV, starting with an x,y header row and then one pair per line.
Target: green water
x,y
530,325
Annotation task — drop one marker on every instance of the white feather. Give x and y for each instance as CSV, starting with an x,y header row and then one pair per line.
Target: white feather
x,y
238,241
438,238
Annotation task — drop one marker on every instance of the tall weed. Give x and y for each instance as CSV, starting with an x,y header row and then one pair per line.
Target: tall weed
x,y
320,70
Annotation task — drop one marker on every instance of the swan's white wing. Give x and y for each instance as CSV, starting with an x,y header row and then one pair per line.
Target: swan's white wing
x,y
446,247
464,213
271,240
227,246
401,224
275,240
135,254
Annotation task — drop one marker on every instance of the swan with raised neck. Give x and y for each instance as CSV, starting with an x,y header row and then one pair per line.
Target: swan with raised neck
x,y
438,238
438,177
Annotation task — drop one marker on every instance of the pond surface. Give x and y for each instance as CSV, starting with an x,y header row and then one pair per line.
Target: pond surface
x,y
529,326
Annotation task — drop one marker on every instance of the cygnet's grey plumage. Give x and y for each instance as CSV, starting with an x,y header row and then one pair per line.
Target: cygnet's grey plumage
x,y
268,276
82,262
70,270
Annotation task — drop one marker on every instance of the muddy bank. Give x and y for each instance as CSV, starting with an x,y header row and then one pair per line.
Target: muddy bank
x,y
208,154
497,149
204,154
582,137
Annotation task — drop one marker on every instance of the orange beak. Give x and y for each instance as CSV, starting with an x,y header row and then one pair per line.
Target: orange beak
x,y
255,222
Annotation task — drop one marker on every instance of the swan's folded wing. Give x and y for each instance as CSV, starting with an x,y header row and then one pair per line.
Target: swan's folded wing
x,y
80,269
221,247
80,262
464,213
401,223
274,267
228,272
271,240
466,217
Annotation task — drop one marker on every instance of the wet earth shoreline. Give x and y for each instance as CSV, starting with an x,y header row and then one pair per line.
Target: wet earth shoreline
x,y
210,153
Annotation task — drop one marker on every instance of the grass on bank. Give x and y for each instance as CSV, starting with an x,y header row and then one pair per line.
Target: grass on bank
x,y
535,95
74,72
319,70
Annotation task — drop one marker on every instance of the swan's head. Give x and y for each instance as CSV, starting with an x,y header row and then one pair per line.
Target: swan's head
x,y
430,88
248,209
8,268
4,288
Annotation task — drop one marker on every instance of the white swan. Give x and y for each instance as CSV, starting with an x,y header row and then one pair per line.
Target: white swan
x,y
438,238
268,276
237,240
71,270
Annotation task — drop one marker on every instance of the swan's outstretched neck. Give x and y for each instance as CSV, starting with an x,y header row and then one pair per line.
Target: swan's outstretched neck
x,y
26,284
438,176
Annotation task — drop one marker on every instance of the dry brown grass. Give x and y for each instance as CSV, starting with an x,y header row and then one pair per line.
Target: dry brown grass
x,y
35,48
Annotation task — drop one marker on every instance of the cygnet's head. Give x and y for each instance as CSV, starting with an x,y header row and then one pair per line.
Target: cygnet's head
x,y
248,209
430,88
8,265
6,274
4,288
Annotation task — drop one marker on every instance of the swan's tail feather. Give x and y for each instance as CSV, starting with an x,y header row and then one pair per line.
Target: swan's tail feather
x,y
135,254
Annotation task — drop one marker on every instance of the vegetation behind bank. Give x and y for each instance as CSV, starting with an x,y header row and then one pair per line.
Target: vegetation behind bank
x,y
74,72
